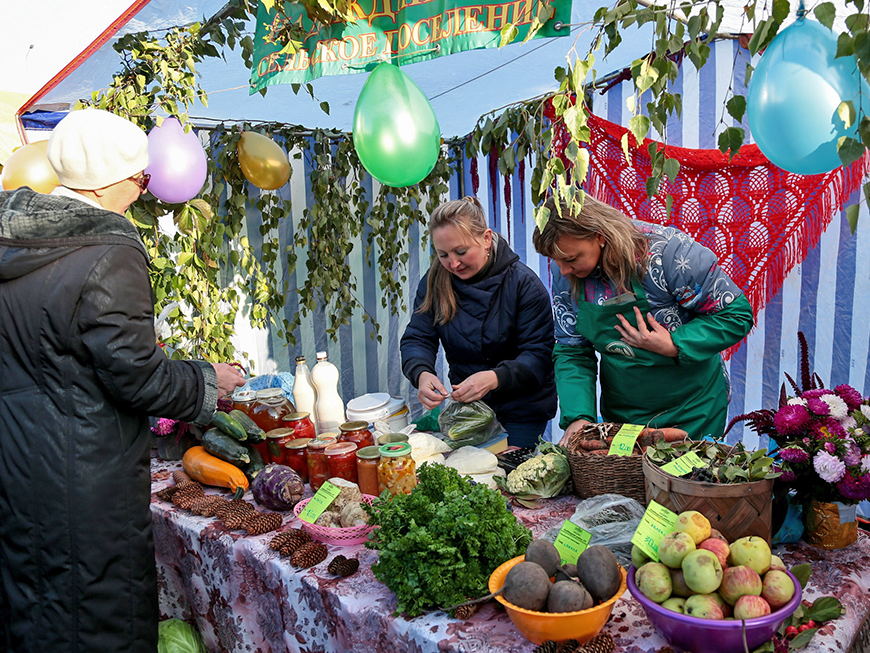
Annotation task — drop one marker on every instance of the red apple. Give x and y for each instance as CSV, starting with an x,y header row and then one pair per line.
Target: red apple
x,y
739,581
703,606
719,547
678,582
777,588
750,606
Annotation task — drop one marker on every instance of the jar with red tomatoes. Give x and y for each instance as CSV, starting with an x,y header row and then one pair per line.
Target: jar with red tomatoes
x,y
301,424
269,407
341,460
356,432
296,455
318,469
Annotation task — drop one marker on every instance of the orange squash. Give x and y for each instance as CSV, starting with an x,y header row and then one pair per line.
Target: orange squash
x,y
201,466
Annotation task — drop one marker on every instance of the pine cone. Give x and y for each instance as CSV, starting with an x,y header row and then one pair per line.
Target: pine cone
x,y
232,507
309,555
341,566
200,505
180,476
282,538
264,523
601,643
547,647
465,612
166,493
185,497
293,544
570,646
212,508
236,517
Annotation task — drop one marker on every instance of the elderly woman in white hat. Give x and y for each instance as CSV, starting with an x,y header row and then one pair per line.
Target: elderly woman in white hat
x,y
81,372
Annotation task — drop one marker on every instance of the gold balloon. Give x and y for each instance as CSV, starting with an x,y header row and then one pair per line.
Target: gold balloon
x,y
29,166
263,162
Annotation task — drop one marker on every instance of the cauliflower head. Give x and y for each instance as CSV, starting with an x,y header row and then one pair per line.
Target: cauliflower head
x,y
543,476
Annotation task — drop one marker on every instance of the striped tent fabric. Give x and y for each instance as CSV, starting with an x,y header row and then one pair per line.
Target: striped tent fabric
x,y
823,296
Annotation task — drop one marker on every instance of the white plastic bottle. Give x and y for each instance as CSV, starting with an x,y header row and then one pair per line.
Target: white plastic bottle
x,y
304,392
329,406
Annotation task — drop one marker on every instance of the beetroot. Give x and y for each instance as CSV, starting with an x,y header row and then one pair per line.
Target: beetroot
x,y
277,487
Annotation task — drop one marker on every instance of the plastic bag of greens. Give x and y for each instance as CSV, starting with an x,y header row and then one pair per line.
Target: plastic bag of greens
x,y
177,636
467,425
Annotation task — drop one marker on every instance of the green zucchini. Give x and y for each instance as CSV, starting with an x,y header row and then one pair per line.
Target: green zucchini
x,y
256,465
229,425
222,446
255,433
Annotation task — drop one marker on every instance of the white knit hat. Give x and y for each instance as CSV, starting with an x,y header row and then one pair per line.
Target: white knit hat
x,y
92,149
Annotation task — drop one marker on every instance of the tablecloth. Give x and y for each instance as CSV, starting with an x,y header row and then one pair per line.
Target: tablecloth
x,y
244,597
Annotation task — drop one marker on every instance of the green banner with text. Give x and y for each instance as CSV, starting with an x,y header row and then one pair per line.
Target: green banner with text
x,y
401,31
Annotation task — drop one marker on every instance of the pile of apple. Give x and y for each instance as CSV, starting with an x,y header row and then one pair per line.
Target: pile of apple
x,y
702,575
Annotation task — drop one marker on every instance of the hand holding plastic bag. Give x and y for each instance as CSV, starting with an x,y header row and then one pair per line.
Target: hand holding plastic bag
x,y
468,424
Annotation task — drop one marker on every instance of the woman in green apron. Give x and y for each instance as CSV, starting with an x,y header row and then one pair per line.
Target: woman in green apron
x,y
655,307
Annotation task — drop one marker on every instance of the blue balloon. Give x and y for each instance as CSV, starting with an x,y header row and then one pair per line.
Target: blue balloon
x,y
793,98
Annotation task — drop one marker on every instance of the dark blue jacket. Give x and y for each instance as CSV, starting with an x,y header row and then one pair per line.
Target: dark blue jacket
x,y
504,323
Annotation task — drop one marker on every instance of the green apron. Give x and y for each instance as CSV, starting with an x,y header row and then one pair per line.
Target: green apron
x,y
642,387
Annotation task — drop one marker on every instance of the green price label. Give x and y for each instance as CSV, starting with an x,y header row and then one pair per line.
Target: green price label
x,y
657,522
571,542
623,441
319,502
684,464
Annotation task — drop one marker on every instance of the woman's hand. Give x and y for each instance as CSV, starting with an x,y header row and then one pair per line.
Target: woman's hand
x,y
573,428
475,386
656,338
228,378
430,391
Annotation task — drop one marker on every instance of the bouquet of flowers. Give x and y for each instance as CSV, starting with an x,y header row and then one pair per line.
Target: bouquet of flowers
x,y
823,437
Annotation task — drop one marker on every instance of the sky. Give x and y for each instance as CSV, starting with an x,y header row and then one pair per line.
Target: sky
x,y
40,38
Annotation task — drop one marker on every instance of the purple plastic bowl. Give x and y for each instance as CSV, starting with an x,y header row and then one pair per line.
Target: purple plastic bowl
x,y
696,635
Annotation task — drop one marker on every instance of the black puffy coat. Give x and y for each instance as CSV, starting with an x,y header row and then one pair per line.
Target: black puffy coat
x,y
80,371
504,323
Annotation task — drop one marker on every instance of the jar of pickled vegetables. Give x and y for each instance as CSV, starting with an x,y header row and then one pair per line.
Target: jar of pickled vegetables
x,y
390,438
367,470
296,455
269,407
243,400
318,469
301,424
275,441
356,432
396,469
341,460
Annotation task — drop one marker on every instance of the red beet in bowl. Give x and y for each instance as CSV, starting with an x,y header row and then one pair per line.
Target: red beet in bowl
x,y
695,635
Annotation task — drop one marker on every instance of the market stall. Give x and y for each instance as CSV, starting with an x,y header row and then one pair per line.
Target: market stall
x,y
243,596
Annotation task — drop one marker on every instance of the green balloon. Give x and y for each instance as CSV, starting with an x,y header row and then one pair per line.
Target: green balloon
x,y
395,131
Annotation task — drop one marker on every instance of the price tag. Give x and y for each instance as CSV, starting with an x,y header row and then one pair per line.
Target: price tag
x,y
684,464
571,542
319,502
623,441
656,522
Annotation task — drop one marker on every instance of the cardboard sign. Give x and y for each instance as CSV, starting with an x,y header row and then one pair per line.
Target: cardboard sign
x,y
319,502
623,441
571,542
684,464
656,522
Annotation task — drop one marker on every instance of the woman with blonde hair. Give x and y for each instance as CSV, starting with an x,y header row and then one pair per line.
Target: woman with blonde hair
x,y
656,308
493,317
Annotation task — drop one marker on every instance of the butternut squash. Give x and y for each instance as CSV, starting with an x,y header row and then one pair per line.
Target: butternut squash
x,y
201,466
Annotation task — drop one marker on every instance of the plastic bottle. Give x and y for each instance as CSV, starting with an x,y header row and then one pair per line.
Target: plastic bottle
x,y
304,392
328,406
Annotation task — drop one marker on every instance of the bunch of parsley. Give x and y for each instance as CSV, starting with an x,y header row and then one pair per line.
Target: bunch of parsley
x,y
438,545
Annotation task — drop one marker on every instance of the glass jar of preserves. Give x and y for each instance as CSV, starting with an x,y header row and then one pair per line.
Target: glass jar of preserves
x,y
341,460
275,441
296,455
301,424
367,470
396,469
269,407
356,432
318,469
391,438
243,400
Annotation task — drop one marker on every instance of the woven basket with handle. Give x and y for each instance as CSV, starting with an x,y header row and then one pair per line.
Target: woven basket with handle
x,y
597,473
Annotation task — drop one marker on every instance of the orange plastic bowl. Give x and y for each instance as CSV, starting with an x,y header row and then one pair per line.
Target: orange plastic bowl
x,y
538,627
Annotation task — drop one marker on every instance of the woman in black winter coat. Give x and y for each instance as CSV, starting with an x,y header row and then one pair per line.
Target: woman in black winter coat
x,y
494,319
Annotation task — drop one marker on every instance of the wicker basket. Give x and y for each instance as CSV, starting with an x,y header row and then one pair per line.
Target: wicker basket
x,y
734,509
336,536
594,473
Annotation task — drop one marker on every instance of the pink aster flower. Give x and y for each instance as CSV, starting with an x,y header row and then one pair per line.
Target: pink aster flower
x,y
853,455
829,468
794,455
854,489
791,419
850,395
815,394
788,476
818,406
830,448
164,426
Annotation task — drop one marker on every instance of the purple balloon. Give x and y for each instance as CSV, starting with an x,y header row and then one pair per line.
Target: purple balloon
x,y
177,163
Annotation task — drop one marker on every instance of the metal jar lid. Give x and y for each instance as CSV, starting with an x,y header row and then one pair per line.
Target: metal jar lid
x,y
369,453
353,426
295,417
298,443
281,432
395,449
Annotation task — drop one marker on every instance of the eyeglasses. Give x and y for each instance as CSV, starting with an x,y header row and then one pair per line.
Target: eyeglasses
x,y
142,182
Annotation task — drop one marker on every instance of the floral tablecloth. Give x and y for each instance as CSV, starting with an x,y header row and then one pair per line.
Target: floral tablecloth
x,y
244,597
